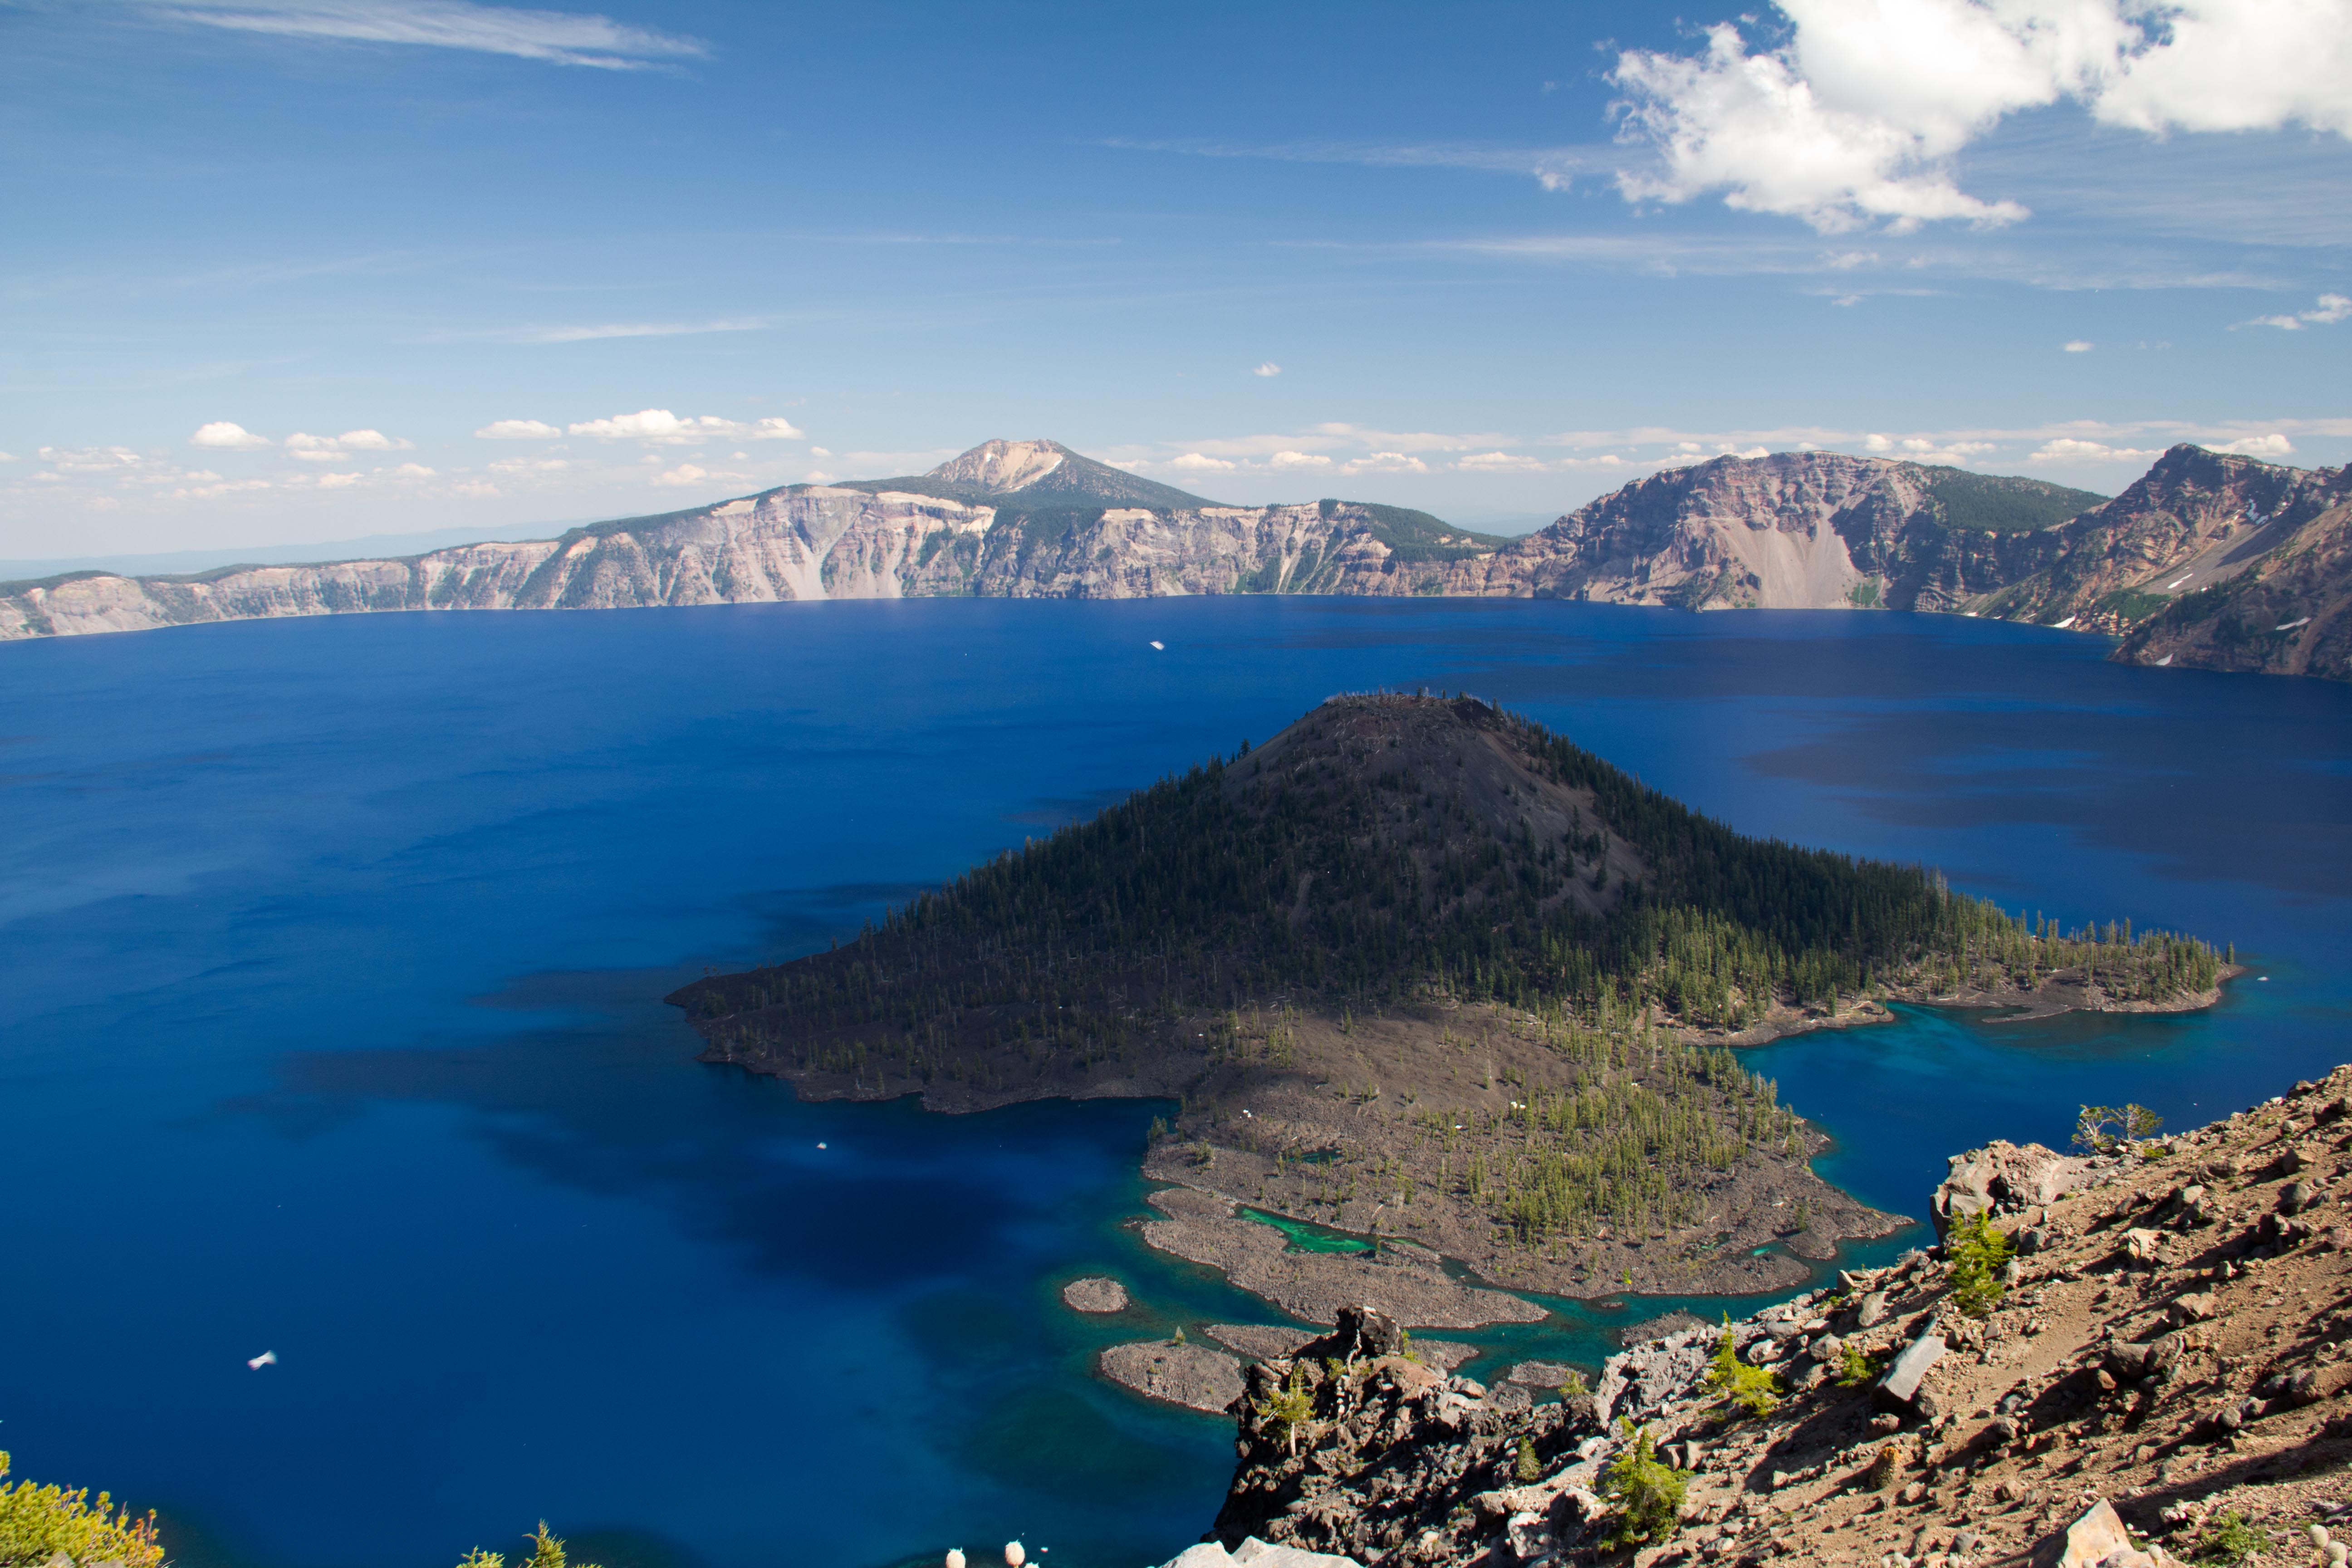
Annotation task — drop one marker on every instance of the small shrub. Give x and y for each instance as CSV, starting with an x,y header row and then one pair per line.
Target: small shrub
x,y
1854,1369
1647,1492
36,1522
1288,1410
1978,1254
1527,1469
546,1552
1178,1337
2230,1540
1753,1390
1573,1386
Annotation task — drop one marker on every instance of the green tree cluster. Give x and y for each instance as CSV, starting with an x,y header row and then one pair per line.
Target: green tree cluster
x,y
2103,1129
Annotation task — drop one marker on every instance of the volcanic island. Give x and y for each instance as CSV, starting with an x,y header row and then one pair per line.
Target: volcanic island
x,y
1448,1007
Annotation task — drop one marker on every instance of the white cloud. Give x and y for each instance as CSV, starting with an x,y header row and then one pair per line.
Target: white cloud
x,y
517,430
2333,308
1298,460
2080,346
1386,463
2271,445
1268,368
1500,463
1200,463
414,471
339,481
330,448
556,37
227,437
684,475
599,331
1856,116
662,427
2071,450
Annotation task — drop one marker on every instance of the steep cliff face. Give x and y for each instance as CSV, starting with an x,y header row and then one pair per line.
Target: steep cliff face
x,y
2288,611
2194,520
1015,519
1035,520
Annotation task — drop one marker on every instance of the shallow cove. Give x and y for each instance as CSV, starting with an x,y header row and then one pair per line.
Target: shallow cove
x,y
330,948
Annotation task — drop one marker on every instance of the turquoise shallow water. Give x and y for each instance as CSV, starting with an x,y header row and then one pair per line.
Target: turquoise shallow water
x,y
326,1027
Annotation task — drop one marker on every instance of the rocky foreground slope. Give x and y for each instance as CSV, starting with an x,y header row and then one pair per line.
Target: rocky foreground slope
x,y
1035,520
2163,1372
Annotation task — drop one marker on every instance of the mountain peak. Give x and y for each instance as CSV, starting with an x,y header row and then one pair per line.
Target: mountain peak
x,y
1039,473
1003,465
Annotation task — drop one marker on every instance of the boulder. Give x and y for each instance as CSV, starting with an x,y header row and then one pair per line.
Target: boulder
x,y
2003,1177
1900,1387
2098,1540
1871,1311
1255,1553
2314,1383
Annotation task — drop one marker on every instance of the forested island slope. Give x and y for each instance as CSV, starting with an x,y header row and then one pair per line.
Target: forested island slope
x,y
1417,965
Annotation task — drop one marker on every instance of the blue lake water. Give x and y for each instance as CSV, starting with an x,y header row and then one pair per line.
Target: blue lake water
x,y
328,959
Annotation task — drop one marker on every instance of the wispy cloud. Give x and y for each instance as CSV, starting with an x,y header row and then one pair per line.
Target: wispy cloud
x,y
2333,308
559,37
595,331
655,426
1555,168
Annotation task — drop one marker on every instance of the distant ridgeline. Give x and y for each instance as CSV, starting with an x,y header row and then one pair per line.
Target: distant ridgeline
x,y
1388,849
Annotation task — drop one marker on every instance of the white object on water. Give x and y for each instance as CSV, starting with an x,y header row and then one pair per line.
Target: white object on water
x,y
1014,1555
270,1358
1160,646
822,1146
2062,625
955,1557
2164,660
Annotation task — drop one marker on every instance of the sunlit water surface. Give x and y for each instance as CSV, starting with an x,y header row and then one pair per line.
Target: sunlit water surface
x,y
327,976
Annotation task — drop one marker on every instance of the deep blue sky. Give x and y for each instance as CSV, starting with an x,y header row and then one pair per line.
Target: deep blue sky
x,y
902,228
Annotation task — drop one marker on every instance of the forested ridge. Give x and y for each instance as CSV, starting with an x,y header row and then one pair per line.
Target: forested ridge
x,y
1420,964
1391,848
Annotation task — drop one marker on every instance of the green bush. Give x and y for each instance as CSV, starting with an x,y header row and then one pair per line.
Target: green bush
x,y
1751,1389
2231,1540
1978,1253
1647,1492
1527,1469
546,1552
1854,1369
36,1522
1573,1386
1288,1410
